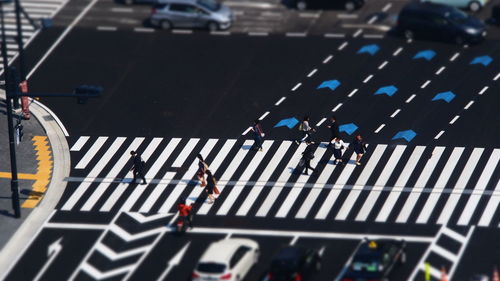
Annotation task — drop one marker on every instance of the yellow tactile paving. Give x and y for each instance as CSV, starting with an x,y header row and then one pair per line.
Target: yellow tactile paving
x,y
43,174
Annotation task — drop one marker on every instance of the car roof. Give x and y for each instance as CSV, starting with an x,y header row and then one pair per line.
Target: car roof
x,y
428,7
376,248
221,251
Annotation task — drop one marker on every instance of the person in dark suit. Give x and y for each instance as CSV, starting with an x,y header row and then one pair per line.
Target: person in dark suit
x,y
307,156
137,167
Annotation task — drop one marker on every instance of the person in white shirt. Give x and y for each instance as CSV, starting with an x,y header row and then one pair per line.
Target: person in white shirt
x,y
338,145
306,129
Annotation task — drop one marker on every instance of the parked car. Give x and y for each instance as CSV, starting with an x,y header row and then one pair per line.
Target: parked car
x,y
439,22
374,260
349,5
191,14
294,263
473,5
227,259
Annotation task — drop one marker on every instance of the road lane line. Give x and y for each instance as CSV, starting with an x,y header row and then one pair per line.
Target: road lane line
x,y
425,84
496,77
342,46
182,31
357,33
246,131
386,7
327,59
352,93
296,87
395,113
334,35
469,104
454,119
296,34
336,107
480,186
393,197
368,78
397,51
264,115
280,101
440,70
455,56
79,143
373,19
439,135
223,33
439,186
379,128
383,65
185,152
422,180
143,29
320,122
312,72
483,90
106,28
410,98
258,33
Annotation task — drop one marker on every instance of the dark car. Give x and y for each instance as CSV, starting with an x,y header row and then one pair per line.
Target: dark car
x,y
439,22
374,260
349,5
294,263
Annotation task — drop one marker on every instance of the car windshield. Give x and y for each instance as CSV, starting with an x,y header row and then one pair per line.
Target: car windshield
x,y
456,16
212,5
210,267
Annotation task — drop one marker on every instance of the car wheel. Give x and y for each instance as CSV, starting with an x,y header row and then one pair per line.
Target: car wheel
x,y
350,6
409,34
212,26
402,259
474,6
166,25
459,40
301,5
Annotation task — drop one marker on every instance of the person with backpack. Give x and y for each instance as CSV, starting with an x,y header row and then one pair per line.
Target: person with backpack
x,y
211,187
307,156
338,145
359,148
137,167
306,130
258,135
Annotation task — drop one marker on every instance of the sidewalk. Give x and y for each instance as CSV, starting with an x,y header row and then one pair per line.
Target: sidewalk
x,y
43,162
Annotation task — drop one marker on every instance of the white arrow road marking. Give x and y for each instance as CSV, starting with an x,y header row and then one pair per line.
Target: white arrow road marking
x,y
52,252
112,255
123,234
99,275
174,261
140,218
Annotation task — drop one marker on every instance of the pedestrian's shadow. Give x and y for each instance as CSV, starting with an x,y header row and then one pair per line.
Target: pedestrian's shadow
x,y
247,147
6,214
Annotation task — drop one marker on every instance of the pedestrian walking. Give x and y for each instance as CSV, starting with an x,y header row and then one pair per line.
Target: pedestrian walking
x,y
334,129
202,168
359,148
211,187
137,167
307,156
338,145
258,135
185,211
306,130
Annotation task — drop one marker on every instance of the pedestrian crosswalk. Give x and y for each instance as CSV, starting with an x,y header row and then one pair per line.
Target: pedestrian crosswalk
x,y
397,183
35,10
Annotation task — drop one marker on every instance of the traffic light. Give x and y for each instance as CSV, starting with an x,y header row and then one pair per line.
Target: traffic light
x,y
83,92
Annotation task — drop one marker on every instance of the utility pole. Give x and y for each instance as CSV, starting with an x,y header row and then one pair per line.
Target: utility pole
x,y
8,88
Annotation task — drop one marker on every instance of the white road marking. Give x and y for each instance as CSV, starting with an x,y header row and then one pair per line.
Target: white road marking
x,y
91,153
264,115
342,46
258,33
455,56
454,119
296,87
410,98
491,208
143,29
312,72
223,33
483,90
373,36
480,186
280,101
368,78
121,10
309,15
373,19
496,77
320,122
395,113
327,59
425,84
246,131
439,135
336,107
386,7
469,104
382,65
296,34
459,187
106,28
397,51
182,31
347,16
334,35
357,33
352,93
440,70
79,143
379,128
183,155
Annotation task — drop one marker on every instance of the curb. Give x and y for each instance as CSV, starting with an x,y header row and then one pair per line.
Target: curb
x,y
33,224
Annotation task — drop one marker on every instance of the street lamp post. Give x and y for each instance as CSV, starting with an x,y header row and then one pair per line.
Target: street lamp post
x,y
13,164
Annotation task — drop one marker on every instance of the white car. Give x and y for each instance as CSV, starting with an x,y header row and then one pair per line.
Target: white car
x,y
473,5
228,260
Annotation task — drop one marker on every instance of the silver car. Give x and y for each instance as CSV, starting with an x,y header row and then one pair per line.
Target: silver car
x,y
191,14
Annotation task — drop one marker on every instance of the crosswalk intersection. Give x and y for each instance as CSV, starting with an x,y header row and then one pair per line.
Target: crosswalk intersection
x,y
396,184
